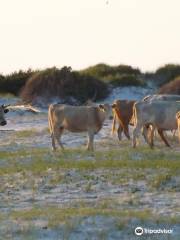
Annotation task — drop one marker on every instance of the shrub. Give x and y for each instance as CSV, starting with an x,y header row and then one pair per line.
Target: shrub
x,y
63,83
98,71
13,82
125,80
166,73
173,87
105,72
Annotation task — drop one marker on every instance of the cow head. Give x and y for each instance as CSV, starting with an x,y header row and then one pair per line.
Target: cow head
x,y
107,109
178,115
3,110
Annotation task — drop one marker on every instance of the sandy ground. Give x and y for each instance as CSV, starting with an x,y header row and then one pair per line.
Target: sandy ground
x,y
121,190
89,187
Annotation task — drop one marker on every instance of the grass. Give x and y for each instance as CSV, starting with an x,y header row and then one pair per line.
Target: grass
x,y
39,170
57,215
38,160
117,166
26,133
161,180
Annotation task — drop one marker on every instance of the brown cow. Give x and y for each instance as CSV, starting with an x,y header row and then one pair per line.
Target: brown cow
x,y
123,111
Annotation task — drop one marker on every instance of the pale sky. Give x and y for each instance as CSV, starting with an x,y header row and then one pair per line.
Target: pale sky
x,y
79,33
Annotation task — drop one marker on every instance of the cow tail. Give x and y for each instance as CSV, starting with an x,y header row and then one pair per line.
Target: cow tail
x,y
50,119
114,124
133,120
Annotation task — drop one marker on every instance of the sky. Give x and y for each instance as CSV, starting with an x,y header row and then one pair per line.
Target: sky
x,y
78,33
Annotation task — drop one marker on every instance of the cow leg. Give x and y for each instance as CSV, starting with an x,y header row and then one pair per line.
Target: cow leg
x,y
53,142
161,134
57,136
126,132
119,132
174,133
151,142
90,141
145,133
148,133
136,133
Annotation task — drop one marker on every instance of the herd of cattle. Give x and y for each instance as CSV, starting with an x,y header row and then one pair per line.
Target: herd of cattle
x,y
154,112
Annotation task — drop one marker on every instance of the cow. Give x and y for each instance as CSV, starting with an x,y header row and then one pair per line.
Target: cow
x,y
162,97
122,111
76,119
157,114
3,110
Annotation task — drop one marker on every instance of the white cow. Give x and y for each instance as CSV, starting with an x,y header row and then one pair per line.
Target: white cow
x,y
76,119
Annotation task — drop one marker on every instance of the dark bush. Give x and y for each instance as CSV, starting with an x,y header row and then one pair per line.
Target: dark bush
x,y
63,83
166,73
13,82
173,87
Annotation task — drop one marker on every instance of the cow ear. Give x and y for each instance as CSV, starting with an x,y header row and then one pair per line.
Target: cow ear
x,y
6,110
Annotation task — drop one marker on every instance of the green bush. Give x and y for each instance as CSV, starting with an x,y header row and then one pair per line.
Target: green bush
x,y
63,83
173,87
126,80
106,72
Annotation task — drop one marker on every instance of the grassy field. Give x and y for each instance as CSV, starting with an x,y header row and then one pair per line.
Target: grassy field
x,y
77,194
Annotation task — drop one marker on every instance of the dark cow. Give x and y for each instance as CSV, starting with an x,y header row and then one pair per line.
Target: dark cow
x,y
122,111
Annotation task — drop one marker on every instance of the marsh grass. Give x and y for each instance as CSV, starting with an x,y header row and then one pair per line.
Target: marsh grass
x,y
161,179
39,160
39,169
56,216
26,133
